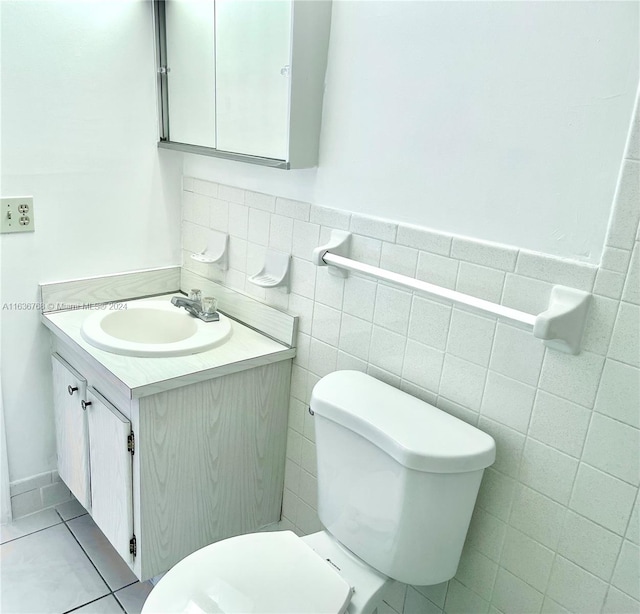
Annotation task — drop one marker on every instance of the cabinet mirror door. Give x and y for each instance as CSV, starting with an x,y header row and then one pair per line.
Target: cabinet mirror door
x,y
111,472
224,75
72,439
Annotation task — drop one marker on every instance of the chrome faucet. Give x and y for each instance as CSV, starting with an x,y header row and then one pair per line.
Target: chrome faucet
x,y
194,307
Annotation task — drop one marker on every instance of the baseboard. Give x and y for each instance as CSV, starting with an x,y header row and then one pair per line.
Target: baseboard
x,y
38,493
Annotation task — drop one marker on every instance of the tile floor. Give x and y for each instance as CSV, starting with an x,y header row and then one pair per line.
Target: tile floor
x,y
58,561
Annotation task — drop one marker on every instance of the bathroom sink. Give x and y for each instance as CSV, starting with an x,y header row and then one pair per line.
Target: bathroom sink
x,y
152,328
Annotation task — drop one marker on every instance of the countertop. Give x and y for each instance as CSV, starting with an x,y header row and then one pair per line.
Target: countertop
x,y
141,377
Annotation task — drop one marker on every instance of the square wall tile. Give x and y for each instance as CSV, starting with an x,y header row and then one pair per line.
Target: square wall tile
x,y
332,218
435,593
257,200
626,213
373,227
437,270
556,270
548,471
322,358
527,559
230,194
589,545
471,337
492,255
399,259
614,448
392,309
599,325
281,233
509,446
526,294
619,393
462,382
219,215
513,595
355,336
496,494
326,324
574,378
366,249
537,516
419,604
619,603
461,600
625,344
293,209
477,572
306,237
422,365
575,588
517,354
259,224
387,350
359,297
626,576
603,499
303,277
480,281
508,401
329,288
429,322
609,283
615,259
631,292
486,533
559,423
424,239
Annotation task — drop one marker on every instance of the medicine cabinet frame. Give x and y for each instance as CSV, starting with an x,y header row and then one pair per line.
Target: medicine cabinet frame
x,y
308,47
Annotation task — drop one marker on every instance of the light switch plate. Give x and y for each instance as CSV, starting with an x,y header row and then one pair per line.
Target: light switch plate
x,y
16,214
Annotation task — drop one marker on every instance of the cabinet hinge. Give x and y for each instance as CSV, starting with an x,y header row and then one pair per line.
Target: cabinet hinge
x,y
131,443
133,547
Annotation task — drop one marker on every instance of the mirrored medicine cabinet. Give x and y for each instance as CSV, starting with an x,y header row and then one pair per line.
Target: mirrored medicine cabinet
x,y
242,79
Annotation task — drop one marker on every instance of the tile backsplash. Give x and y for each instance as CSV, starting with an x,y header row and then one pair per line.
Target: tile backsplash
x,y
556,525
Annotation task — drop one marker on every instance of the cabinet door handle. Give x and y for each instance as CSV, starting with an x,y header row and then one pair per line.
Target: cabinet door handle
x,y
84,404
71,389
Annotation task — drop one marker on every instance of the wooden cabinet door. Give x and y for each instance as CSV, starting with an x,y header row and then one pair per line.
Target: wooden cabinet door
x,y
111,472
72,439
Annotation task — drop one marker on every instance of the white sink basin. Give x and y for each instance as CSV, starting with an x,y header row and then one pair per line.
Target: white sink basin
x,y
153,328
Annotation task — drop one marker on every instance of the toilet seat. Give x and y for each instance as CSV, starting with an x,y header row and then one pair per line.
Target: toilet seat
x,y
261,572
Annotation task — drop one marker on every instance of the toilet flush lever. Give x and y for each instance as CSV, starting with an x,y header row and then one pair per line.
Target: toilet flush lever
x,y
311,412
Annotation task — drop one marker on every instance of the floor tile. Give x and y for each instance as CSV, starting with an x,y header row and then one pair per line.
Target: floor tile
x,y
108,562
28,524
70,509
132,597
47,572
106,605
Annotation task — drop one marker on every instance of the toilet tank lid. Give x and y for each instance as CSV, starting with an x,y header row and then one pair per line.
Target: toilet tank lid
x,y
417,435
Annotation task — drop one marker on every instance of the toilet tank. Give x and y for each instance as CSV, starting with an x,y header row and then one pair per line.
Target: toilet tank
x,y
397,477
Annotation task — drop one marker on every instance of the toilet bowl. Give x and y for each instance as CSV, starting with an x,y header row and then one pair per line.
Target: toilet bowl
x,y
269,573
397,484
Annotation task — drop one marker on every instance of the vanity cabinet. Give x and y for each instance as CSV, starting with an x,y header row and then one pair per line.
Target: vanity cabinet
x,y
168,473
72,435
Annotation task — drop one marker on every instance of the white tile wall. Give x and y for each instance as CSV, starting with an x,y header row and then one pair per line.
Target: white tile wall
x,y
554,528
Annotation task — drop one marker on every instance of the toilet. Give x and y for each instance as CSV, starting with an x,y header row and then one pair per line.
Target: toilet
x,y
397,484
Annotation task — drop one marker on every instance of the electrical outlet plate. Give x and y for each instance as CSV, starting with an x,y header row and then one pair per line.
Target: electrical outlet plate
x,y
16,214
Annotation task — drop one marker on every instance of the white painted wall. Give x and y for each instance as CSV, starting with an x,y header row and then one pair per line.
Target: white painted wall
x,y
504,121
79,133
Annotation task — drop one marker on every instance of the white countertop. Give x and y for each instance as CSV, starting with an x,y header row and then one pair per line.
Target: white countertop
x,y
144,376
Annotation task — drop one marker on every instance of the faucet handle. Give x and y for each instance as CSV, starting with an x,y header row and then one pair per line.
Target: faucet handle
x,y
195,295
